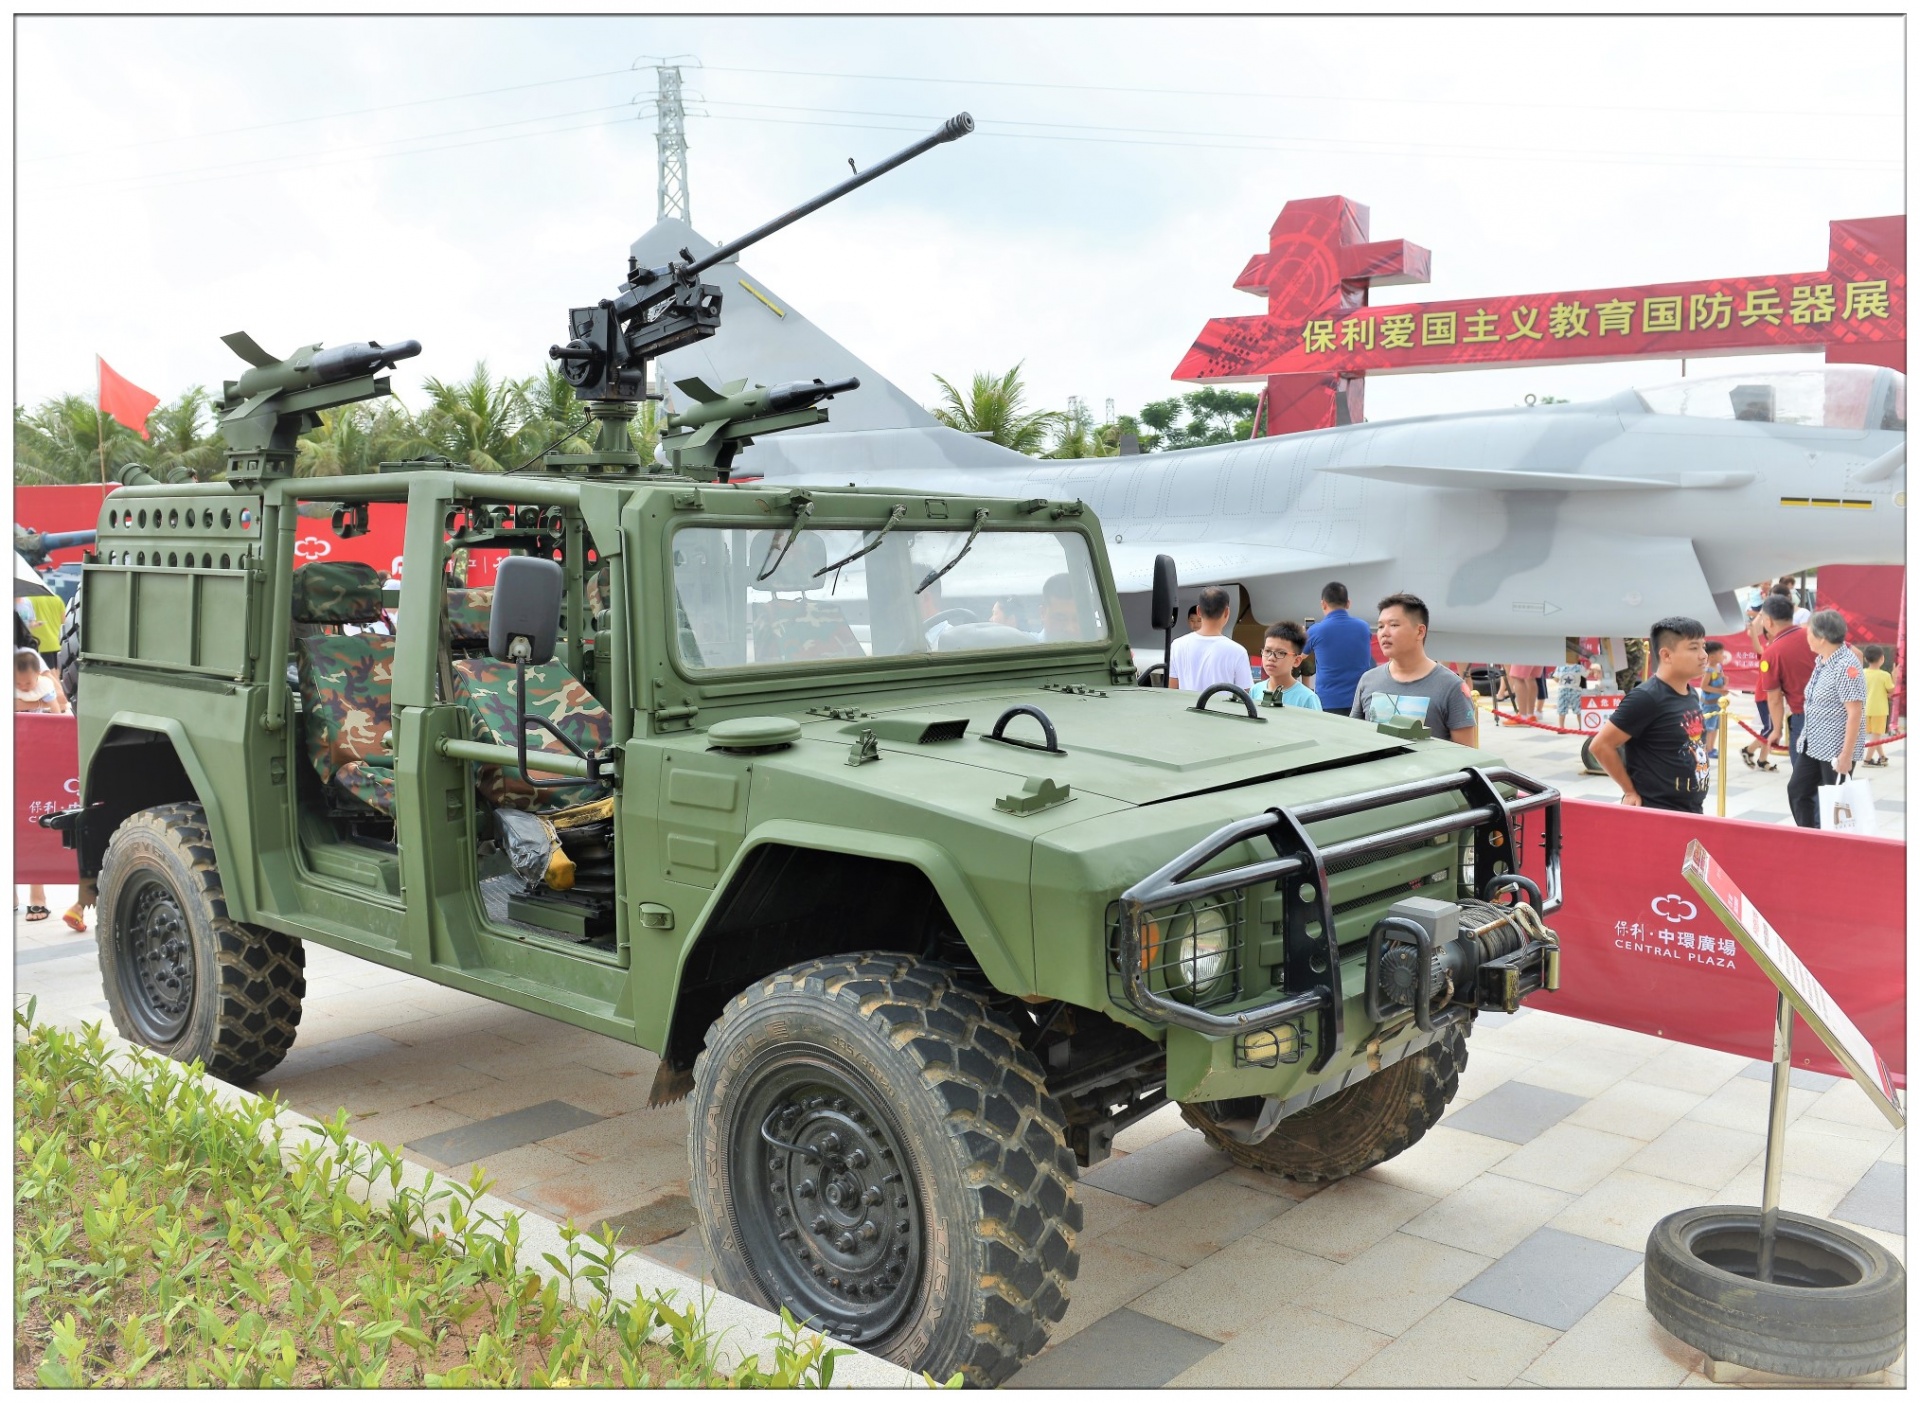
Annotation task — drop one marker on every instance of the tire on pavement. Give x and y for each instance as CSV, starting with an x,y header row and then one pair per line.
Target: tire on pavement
x,y
1367,1124
181,975
1836,1307
67,661
872,1149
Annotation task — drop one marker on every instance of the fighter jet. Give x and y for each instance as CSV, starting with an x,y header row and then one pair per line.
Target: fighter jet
x,y
1519,527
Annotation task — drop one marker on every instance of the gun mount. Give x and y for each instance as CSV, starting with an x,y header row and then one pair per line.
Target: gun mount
x,y
264,412
659,310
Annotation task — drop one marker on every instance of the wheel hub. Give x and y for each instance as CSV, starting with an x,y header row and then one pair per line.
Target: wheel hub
x,y
157,951
829,1178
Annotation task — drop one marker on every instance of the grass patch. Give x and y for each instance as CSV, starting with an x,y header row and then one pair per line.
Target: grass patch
x,y
160,1241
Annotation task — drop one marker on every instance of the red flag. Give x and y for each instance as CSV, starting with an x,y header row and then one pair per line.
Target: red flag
x,y
124,400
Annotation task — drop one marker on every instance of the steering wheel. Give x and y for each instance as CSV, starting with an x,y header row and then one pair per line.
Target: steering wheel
x,y
949,616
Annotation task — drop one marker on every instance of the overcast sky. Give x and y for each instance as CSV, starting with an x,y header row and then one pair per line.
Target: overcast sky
x,y
466,180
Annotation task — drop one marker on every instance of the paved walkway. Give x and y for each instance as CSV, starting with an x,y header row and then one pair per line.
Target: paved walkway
x,y
1503,1249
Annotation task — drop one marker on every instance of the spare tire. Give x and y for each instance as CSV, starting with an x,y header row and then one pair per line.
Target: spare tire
x,y
1836,1307
68,659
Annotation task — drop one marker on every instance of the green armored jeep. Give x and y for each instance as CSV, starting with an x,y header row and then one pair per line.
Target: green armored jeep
x,y
844,802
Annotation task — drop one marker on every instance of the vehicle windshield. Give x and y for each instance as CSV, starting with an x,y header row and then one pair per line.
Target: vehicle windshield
x,y
1009,589
1829,397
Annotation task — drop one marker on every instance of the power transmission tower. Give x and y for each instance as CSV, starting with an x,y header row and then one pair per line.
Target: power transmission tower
x,y
672,140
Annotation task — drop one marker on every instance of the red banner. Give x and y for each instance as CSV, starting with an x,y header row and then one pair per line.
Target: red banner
x,y
46,761
1639,951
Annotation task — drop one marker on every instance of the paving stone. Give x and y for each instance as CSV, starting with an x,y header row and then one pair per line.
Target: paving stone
x,y
1879,1200
1623,1208
1200,1222
1234,1289
1496,1019
1693,1152
1347,1219
1486,1069
1847,1104
660,1134
1583,1070
313,1056
1104,1211
41,954
1491,1216
1684,1067
514,1170
1743,1105
1150,1128
1616,1345
394,1128
1441,1161
1553,1278
504,1132
1121,1350
1456,1345
1826,1149
665,1216
1165,1169
589,1192
1110,1277
1514,1111
1290,1347
1798,1192
685,1252
1570,1157
1395,1282
1804,1078
1635,1109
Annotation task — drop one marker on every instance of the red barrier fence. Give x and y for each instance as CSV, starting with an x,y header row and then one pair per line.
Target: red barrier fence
x,y
1639,952
46,759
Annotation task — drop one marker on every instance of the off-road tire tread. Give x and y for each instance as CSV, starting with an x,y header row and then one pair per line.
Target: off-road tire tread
x,y
970,1058
1367,1124
262,973
67,660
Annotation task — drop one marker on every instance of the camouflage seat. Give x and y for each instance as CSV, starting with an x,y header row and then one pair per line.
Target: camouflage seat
x,y
485,686
468,612
798,629
346,682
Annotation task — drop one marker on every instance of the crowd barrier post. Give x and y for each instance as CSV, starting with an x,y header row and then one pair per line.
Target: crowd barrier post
x,y
1723,734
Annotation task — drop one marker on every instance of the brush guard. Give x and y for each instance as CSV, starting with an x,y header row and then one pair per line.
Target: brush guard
x,y
1299,867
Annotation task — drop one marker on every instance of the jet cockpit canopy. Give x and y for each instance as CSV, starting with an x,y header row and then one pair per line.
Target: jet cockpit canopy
x,y
1854,397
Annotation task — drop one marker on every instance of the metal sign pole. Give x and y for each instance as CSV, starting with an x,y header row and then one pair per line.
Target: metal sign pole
x,y
1776,1132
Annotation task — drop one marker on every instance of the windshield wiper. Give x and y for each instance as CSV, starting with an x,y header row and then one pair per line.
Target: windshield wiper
x,y
979,520
894,518
802,509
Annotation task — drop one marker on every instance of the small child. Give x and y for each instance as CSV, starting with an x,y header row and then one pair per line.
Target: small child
x,y
1568,679
1713,686
34,688
1879,699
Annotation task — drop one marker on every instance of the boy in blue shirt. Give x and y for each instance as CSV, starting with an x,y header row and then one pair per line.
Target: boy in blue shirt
x,y
1342,649
1280,658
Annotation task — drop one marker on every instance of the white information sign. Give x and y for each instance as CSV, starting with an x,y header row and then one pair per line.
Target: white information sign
x,y
1794,980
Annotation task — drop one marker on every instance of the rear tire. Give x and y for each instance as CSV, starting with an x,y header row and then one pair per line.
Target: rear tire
x,y
1836,1308
1367,1124
873,1150
181,976
68,659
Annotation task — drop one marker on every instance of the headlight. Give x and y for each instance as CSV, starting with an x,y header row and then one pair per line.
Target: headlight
x,y
1200,950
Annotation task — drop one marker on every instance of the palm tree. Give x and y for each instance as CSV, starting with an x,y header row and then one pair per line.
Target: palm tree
x,y
59,442
476,421
995,410
357,438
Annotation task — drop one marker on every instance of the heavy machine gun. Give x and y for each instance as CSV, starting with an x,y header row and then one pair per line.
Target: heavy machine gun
x,y
659,310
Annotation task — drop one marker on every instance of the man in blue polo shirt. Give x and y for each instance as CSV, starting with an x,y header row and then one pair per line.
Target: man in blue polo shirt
x,y
1341,648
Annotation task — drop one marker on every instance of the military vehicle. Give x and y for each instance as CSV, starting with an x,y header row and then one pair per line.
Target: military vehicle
x,y
845,802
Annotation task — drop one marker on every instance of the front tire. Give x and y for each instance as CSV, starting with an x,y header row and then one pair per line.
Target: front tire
x,y
1367,1124
873,1150
67,660
181,976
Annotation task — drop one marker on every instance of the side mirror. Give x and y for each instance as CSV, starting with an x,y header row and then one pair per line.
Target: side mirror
x,y
525,622
1166,593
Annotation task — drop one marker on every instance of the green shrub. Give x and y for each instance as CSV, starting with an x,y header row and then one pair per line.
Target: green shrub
x,y
161,1241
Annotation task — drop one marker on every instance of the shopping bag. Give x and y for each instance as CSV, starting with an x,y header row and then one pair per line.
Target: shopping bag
x,y
1847,807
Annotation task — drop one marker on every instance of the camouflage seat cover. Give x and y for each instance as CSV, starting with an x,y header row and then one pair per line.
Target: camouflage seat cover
x,y
800,630
346,682
484,687
468,613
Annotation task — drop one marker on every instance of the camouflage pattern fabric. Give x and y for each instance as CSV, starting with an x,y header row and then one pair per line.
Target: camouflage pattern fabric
x,y
468,613
336,592
346,689
485,688
801,630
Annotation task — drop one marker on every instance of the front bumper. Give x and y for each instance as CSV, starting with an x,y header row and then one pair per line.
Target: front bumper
x,y
1311,968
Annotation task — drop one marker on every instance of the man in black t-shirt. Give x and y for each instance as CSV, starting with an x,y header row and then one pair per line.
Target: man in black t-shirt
x,y
1659,726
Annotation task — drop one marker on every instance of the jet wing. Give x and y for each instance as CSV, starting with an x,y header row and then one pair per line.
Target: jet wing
x,y
1521,480
1222,563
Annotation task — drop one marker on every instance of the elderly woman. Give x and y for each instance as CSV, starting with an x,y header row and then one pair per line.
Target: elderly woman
x,y
1833,735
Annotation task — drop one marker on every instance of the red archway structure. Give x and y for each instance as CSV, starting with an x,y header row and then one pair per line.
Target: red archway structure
x,y
1319,336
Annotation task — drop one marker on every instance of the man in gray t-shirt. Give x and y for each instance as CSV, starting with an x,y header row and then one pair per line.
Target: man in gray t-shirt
x,y
1410,683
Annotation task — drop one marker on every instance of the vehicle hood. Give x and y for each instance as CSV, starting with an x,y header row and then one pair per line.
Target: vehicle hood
x,y
1133,745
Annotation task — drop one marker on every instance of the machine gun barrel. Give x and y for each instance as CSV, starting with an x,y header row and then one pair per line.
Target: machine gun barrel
x,y
951,130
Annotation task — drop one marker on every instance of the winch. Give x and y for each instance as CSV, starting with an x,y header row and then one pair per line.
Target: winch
x,y
1425,956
